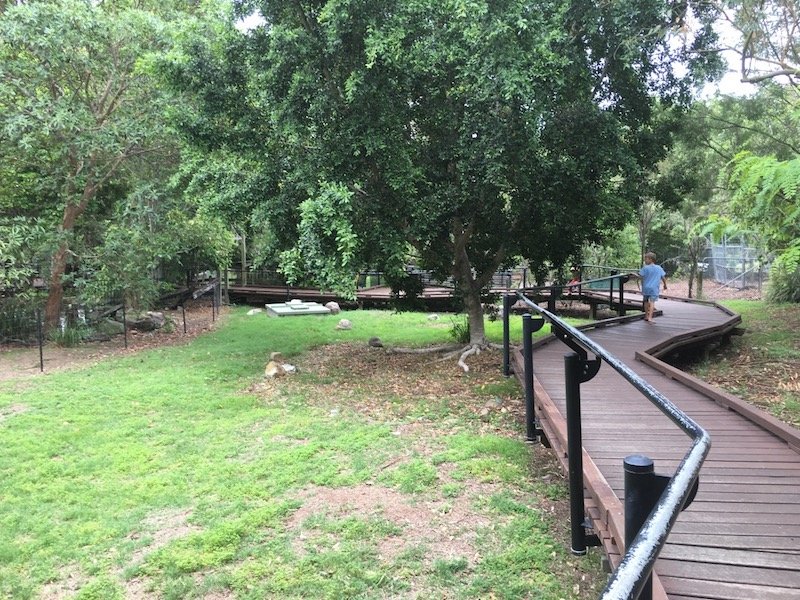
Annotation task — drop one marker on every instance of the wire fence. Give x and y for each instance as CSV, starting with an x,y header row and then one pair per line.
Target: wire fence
x,y
23,323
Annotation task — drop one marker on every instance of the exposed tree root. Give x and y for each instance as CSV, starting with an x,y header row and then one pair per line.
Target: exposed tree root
x,y
450,351
431,350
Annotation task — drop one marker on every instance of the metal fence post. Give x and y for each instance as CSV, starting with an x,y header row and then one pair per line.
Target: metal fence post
x,y
577,369
125,324
575,452
506,334
40,338
529,327
183,311
621,310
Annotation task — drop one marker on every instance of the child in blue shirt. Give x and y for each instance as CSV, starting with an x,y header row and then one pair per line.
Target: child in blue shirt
x,y
652,275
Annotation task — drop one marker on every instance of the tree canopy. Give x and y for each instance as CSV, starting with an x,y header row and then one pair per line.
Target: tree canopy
x,y
464,134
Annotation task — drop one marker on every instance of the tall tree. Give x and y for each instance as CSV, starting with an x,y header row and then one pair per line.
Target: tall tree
x,y
468,132
76,103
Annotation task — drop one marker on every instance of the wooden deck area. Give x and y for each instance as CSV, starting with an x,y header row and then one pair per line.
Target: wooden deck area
x,y
740,538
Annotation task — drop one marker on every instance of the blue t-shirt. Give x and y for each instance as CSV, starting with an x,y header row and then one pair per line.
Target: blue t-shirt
x,y
651,279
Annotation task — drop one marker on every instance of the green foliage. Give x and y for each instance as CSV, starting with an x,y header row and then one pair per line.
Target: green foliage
x,y
784,278
326,242
21,242
473,132
459,329
767,198
70,336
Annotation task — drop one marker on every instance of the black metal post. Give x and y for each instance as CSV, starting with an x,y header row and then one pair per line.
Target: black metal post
x,y
573,374
183,310
621,309
40,338
611,291
527,355
639,497
125,324
524,277
507,304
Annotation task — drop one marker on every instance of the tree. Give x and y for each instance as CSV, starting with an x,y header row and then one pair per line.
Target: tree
x,y
769,38
76,105
466,133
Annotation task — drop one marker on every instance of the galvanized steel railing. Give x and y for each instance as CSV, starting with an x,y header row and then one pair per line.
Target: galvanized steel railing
x,y
633,574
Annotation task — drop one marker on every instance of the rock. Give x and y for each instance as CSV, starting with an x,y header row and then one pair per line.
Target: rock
x,y
276,356
287,368
333,307
110,327
149,321
344,324
253,311
273,369
433,317
375,342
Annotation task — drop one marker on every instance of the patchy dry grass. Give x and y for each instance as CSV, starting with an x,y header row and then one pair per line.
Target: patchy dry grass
x,y
763,365
180,473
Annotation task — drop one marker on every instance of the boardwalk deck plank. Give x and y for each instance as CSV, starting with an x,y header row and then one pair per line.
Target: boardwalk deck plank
x,y
739,539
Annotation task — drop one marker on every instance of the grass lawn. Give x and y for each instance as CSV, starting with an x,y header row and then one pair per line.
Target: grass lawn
x,y
763,365
180,472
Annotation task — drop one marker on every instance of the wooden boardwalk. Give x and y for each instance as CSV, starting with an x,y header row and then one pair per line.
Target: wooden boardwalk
x,y
740,538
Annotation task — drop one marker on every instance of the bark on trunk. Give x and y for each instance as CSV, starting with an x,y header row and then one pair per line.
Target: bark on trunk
x,y
58,264
474,308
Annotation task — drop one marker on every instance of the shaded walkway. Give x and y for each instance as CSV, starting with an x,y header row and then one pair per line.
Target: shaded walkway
x,y
740,539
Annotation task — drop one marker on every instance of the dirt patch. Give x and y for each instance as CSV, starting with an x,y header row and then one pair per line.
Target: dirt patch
x,y
447,529
70,579
10,411
163,527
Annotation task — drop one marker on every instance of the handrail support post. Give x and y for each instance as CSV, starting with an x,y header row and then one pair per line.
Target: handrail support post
x,y
529,327
577,369
507,304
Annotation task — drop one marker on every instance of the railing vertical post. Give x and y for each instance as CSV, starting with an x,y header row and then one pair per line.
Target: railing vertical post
x,y
572,373
507,304
40,338
527,355
621,310
611,291
639,482
183,311
124,324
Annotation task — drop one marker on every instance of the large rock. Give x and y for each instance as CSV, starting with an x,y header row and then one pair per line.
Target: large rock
x,y
110,327
333,307
149,321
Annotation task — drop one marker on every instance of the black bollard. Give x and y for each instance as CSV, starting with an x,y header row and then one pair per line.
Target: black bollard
x,y
527,355
641,491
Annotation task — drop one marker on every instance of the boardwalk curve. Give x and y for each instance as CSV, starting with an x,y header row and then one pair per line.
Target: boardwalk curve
x,y
740,538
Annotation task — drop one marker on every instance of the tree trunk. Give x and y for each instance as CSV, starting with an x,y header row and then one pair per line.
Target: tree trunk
x,y
58,264
52,310
474,308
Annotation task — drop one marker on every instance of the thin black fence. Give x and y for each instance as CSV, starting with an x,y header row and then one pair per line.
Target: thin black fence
x,y
23,326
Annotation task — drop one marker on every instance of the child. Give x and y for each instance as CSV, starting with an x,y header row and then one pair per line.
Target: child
x,y
651,275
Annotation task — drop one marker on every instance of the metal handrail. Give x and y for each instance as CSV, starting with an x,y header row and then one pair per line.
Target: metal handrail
x,y
630,576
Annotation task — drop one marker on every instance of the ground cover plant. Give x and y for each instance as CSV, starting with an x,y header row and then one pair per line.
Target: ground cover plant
x,y
180,472
763,365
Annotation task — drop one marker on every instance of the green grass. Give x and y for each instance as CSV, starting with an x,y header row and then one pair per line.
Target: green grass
x,y
160,467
